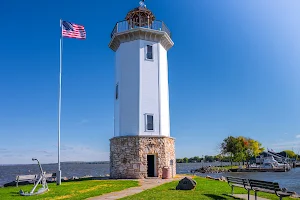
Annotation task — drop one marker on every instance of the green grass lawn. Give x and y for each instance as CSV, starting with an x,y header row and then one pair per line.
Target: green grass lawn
x,y
205,189
70,190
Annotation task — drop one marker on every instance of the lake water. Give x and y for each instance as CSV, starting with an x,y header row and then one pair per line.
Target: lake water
x,y
289,180
8,173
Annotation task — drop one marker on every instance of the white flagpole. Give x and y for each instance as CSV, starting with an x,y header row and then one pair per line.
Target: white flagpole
x,y
58,175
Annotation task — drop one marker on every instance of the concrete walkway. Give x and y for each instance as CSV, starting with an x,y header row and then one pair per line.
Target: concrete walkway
x,y
245,196
145,184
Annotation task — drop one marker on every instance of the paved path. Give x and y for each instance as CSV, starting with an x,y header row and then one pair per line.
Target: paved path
x,y
145,184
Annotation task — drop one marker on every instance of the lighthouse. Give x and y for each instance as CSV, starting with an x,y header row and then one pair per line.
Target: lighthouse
x,y
142,146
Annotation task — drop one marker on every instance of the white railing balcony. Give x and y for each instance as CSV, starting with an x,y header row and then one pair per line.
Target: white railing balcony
x,y
123,26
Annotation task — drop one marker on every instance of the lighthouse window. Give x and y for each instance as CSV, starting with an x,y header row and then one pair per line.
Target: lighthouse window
x,y
149,122
149,52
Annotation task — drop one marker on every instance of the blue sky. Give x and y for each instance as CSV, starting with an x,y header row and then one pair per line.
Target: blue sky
x,y
234,70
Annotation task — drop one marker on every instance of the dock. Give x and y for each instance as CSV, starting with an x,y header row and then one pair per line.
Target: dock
x,y
260,170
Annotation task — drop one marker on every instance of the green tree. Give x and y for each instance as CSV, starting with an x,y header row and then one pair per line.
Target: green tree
x,y
197,159
185,160
253,148
240,148
209,158
194,159
220,158
290,153
229,147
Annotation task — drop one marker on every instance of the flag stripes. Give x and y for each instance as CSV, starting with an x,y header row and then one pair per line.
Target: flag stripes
x,y
73,30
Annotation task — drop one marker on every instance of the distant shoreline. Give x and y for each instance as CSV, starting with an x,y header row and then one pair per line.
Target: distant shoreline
x,y
68,162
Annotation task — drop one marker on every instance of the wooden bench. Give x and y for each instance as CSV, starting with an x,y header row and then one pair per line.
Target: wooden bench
x,y
269,187
238,182
23,178
33,178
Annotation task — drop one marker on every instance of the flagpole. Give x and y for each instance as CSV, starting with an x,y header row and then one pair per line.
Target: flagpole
x,y
58,176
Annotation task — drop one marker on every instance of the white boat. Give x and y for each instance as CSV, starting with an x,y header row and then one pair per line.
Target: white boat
x,y
271,163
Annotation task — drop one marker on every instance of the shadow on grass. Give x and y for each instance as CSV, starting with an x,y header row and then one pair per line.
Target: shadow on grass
x,y
213,196
15,194
228,195
182,190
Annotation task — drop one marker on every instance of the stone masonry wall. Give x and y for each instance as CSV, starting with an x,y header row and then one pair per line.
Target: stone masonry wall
x,y
128,155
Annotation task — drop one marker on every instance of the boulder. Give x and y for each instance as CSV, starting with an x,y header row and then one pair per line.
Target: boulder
x,y
186,184
222,178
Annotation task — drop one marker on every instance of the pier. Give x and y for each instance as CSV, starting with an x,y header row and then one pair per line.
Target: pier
x,y
260,170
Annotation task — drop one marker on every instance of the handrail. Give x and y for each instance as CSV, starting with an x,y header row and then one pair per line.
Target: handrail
x,y
123,26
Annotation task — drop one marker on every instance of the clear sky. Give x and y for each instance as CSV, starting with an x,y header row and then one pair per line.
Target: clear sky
x,y
234,70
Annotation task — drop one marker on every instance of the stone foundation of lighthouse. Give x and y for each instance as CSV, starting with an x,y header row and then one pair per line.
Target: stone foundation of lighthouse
x,y
130,156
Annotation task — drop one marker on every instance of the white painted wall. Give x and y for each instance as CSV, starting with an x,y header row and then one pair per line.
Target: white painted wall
x,y
117,102
127,75
143,89
164,92
149,95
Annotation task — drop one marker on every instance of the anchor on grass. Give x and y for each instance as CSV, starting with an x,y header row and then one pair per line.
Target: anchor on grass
x,y
42,180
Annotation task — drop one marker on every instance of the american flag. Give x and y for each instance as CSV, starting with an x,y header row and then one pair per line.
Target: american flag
x,y
73,30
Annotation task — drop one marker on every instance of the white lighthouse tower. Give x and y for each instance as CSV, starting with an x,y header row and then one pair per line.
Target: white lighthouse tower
x,y
141,146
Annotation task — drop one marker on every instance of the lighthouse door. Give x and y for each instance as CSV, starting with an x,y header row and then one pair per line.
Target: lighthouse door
x,y
150,162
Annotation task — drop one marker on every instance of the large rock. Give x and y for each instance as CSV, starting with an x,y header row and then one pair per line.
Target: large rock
x,y
186,184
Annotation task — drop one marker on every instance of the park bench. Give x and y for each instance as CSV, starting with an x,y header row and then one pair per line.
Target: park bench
x,y
238,182
269,187
23,178
33,178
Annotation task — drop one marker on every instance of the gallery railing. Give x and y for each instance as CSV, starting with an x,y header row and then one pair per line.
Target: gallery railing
x,y
123,26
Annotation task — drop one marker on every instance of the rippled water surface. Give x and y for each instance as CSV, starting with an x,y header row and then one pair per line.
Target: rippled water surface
x,y
290,180
9,173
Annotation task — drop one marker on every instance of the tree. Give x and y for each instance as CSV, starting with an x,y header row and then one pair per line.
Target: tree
x,y
240,148
219,157
253,149
290,153
194,159
229,146
197,159
185,160
209,158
